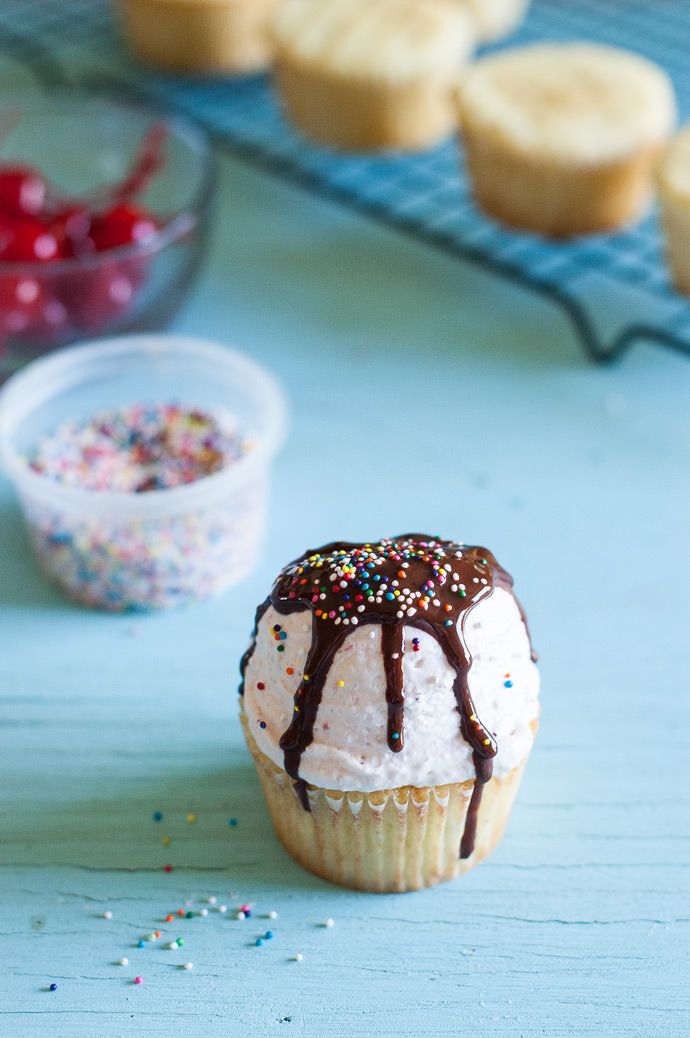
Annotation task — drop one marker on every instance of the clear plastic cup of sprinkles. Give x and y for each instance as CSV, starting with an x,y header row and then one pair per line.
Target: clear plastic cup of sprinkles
x,y
142,464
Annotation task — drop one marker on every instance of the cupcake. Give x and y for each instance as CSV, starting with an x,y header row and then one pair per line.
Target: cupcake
x,y
496,18
214,37
564,138
389,700
371,74
674,196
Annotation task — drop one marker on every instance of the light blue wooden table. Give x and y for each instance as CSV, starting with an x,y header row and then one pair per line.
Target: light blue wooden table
x,y
424,395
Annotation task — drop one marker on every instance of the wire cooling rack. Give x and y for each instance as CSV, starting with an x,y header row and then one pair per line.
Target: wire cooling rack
x,y
614,287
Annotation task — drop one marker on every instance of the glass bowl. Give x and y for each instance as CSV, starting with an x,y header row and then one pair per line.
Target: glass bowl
x,y
124,551
83,146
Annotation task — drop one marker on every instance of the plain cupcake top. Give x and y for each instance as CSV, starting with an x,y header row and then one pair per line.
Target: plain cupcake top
x,y
674,172
576,102
396,39
496,18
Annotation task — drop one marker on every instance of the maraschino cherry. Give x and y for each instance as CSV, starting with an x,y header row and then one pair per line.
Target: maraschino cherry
x,y
40,225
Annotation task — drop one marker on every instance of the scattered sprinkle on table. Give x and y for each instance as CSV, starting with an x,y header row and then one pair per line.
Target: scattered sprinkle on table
x,y
53,987
138,980
108,915
124,961
188,966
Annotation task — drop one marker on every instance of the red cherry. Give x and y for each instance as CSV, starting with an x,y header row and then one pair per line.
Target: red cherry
x,y
31,313
95,299
21,299
22,190
124,224
49,326
30,241
70,227
7,226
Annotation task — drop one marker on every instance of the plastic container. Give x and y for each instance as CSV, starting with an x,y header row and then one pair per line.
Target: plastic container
x,y
84,145
126,551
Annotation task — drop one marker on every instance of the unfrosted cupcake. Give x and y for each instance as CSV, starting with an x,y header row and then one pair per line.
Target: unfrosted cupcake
x,y
564,138
390,704
371,74
496,18
674,196
200,36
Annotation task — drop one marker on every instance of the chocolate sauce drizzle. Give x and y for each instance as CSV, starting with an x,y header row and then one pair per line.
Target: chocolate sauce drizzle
x,y
413,580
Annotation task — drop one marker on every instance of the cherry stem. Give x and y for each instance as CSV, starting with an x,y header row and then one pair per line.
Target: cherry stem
x,y
148,161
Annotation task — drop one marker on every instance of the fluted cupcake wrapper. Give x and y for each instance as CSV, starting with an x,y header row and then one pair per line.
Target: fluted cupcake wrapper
x,y
362,115
559,198
676,223
213,37
390,840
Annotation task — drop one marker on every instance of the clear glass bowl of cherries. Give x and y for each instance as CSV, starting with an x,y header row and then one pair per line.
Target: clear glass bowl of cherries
x,y
104,209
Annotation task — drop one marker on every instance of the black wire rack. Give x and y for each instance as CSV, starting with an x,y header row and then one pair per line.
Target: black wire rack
x,y
614,288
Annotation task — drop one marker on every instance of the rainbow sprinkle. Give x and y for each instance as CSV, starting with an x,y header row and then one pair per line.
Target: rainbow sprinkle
x,y
118,560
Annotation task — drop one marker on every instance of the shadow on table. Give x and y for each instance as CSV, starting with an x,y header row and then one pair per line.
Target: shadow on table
x,y
215,824
393,303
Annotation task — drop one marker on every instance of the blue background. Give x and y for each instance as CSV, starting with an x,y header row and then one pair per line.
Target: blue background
x,y
424,394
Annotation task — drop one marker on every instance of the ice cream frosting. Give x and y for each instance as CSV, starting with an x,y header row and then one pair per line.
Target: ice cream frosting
x,y
401,662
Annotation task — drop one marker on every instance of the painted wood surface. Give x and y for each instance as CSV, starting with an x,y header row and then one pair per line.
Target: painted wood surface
x,y
424,395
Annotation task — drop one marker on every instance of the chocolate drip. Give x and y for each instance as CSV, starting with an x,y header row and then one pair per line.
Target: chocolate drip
x,y
244,662
483,768
392,648
413,581
293,742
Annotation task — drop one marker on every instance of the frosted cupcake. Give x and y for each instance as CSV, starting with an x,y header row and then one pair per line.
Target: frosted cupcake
x,y
371,74
390,704
565,138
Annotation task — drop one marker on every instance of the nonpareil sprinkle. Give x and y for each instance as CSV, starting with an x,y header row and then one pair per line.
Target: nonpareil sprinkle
x,y
138,449
144,551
